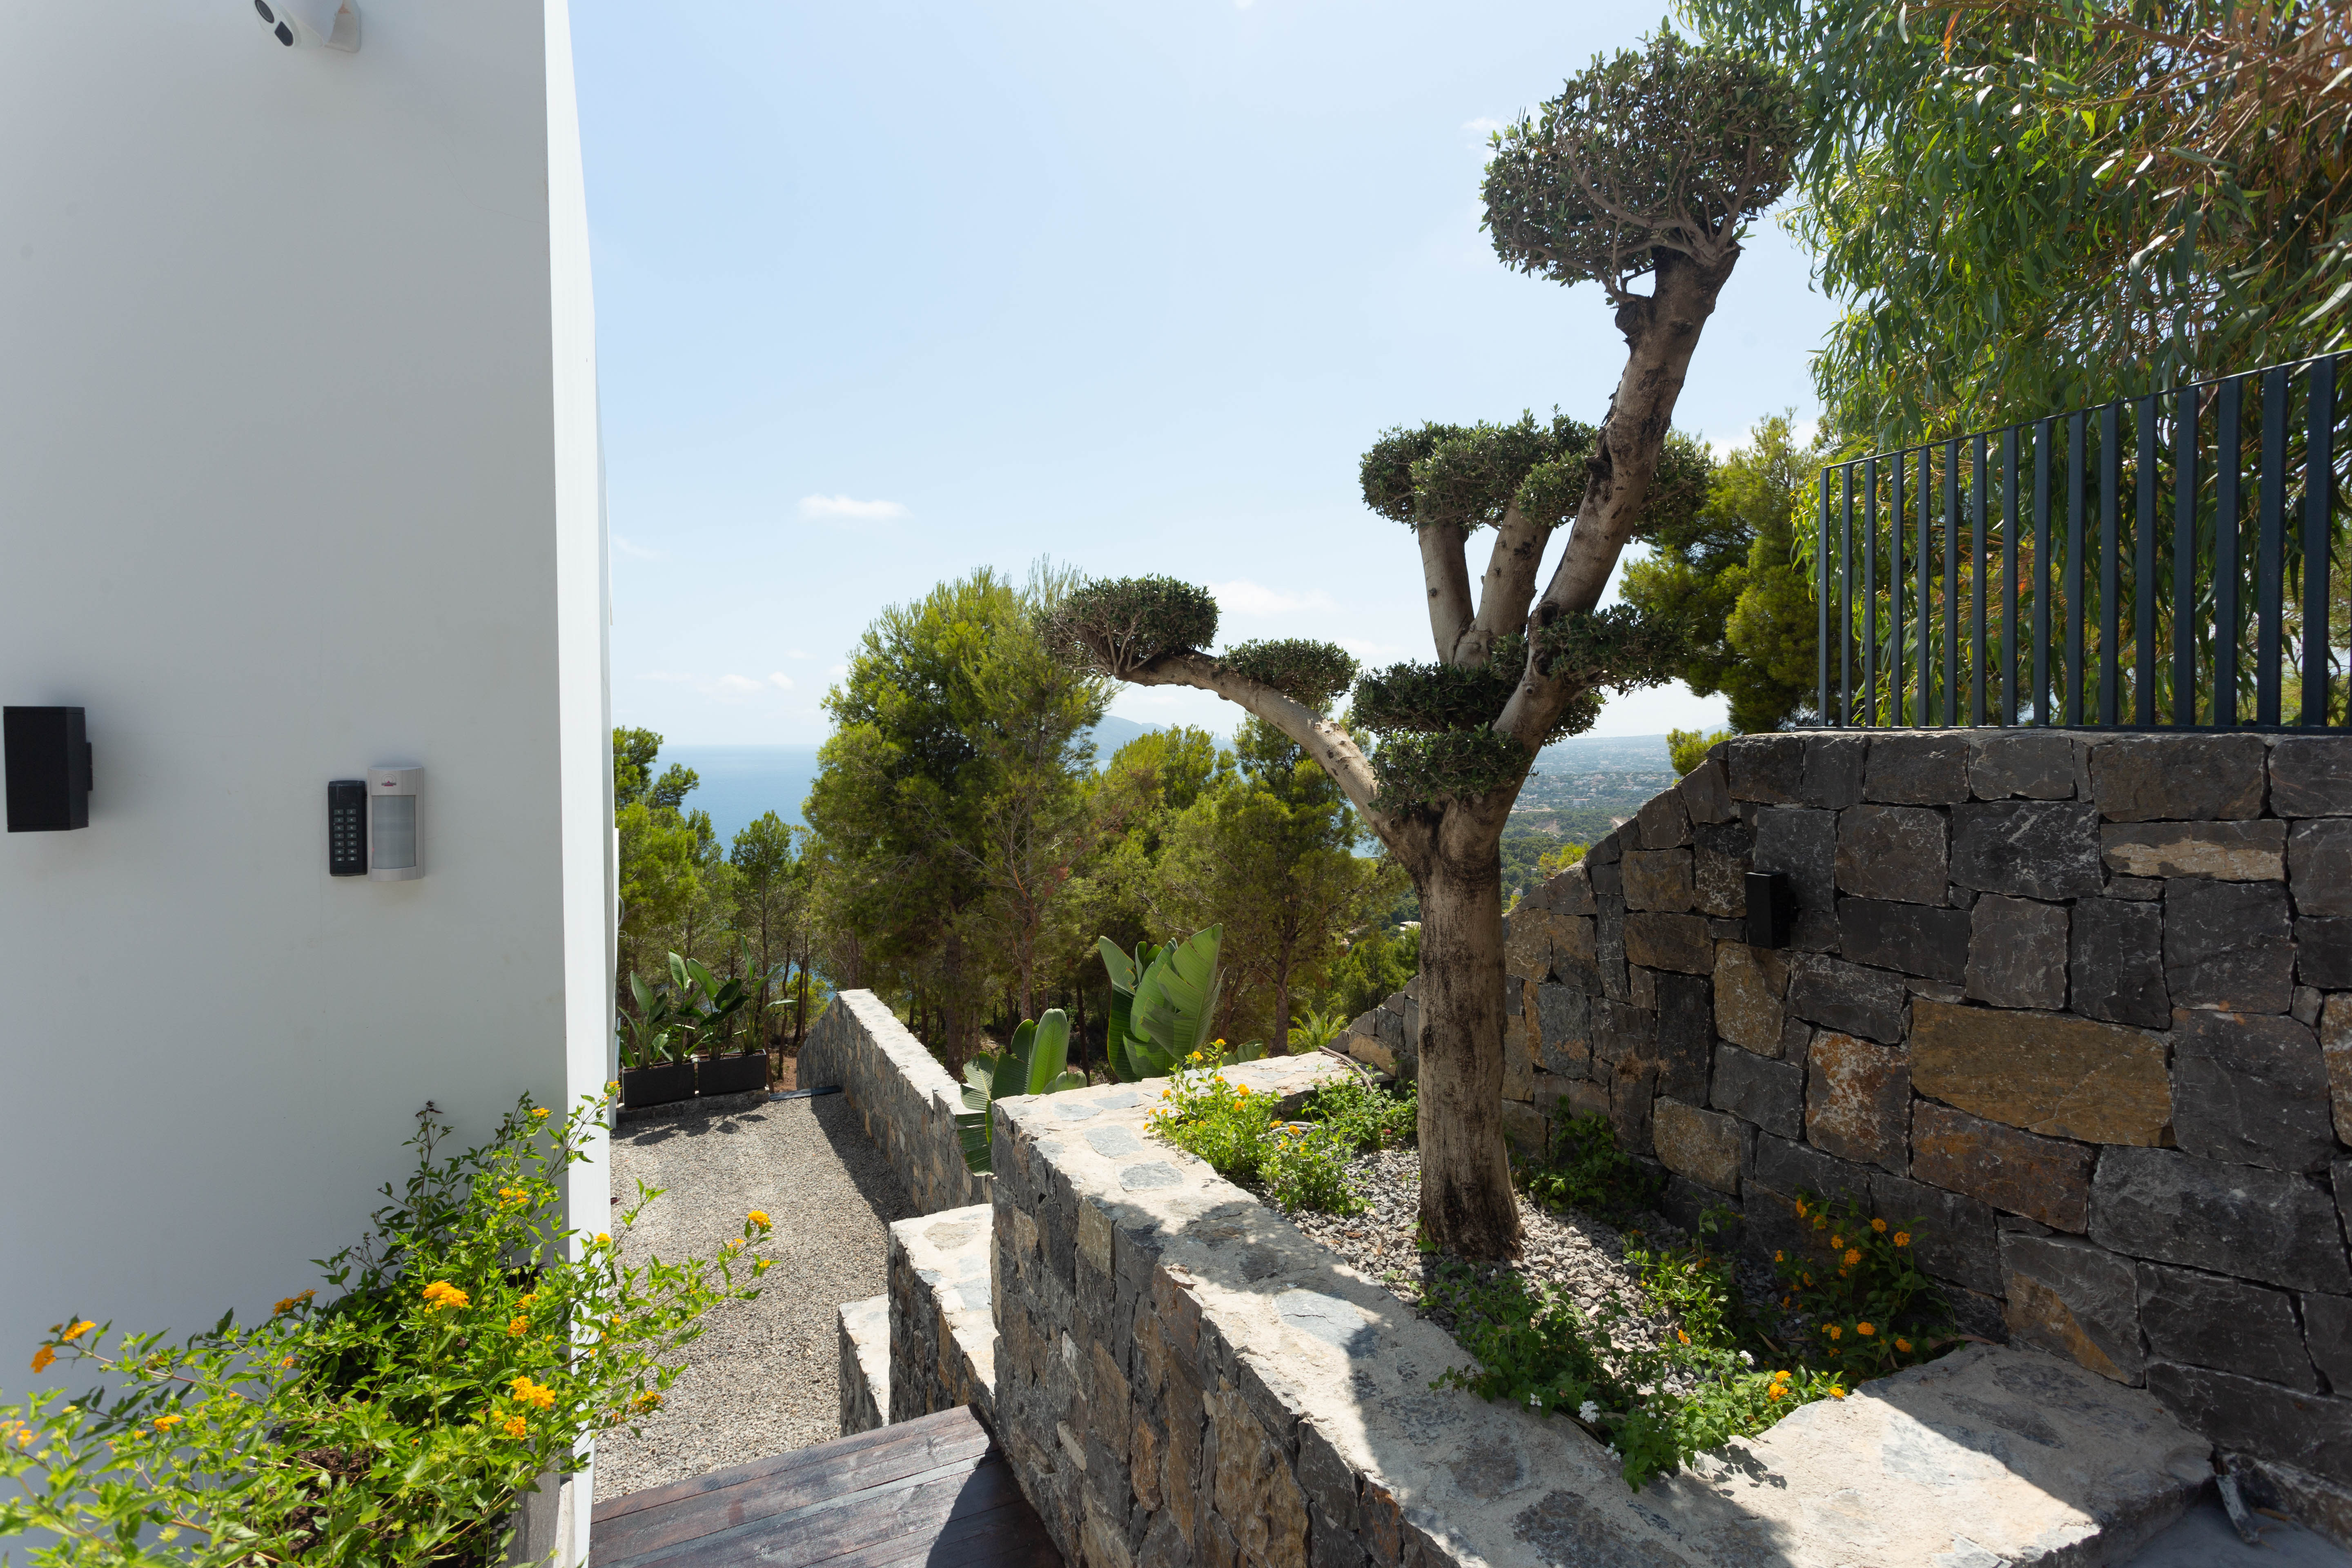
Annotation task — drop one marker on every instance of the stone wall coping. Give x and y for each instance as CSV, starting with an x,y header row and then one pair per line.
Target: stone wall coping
x,y
863,1330
906,1100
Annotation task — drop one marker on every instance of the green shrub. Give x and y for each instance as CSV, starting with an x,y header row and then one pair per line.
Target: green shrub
x,y
1300,1164
470,1343
1584,1169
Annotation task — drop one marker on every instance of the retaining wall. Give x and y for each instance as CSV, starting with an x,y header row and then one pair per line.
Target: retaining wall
x,y
942,1322
1183,1378
2081,1002
905,1100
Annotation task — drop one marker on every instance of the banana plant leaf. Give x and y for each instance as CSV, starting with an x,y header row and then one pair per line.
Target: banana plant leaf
x,y
1175,1002
971,1132
1048,1053
1010,1075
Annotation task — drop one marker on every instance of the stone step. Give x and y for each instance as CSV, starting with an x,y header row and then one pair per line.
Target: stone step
x,y
943,1324
863,1328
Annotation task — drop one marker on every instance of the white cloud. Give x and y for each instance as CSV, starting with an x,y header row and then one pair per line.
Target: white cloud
x,y
638,551
1243,597
780,680
737,685
846,510
1486,125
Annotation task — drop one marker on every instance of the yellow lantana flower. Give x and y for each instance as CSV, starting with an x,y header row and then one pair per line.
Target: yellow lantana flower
x,y
526,1391
165,1422
76,1330
759,1218
42,1358
518,1326
1902,1239
441,1293
517,1426
1836,1332
538,1110
1879,1226
1865,1330
1853,1257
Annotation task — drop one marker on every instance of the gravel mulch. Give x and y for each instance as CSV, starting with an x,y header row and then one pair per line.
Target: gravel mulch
x,y
1573,1251
765,1378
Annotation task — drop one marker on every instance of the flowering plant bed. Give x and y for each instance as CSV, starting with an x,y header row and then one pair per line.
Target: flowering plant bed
x,y
1659,1344
467,1345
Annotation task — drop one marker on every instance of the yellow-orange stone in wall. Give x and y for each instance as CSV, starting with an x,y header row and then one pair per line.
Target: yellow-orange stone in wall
x,y
2060,1076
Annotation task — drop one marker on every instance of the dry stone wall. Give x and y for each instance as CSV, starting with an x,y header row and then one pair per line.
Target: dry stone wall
x,y
905,1100
2082,1002
941,1316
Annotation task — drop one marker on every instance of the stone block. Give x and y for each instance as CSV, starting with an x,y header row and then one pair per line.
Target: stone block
x,y
1898,852
1605,849
1706,1146
1917,769
2335,1051
2078,1299
2319,866
2035,764
1747,985
2178,778
2065,1077
2328,1338
1953,1237
2027,848
1587,1097
1803,844
1840,995
1771,1094
1658,878
1858,1102
2046,1179
1609,949
2251,1089
1685,1037
1641,984
1573,941
1796,1039
1571,892
1620,1031
2142,889
2307,1430
1663,821
2017,952
1525,1129
2119,963
1793,1169
2229,945
1720,854
1608,877
2323,953
1526,945
2243,1220
1564,1029
1632,1090
2205,1320
1768,768
2311,776
2227,851
1911,938
1834,770
1706,793
1669,942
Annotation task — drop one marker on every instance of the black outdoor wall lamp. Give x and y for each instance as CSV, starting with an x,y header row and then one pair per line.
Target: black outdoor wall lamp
x,y
48,769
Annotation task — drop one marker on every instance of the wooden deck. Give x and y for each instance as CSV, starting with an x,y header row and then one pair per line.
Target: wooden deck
x,y
933,1492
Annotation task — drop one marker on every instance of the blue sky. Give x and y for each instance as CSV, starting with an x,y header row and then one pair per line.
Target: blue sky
x,y
885,292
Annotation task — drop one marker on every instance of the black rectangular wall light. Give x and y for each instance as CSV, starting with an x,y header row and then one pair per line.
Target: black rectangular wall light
x,y
1772,909
48,769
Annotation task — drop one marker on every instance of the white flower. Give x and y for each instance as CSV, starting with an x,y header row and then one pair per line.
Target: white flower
x,y
1588,1412
1533,1403
1747,1359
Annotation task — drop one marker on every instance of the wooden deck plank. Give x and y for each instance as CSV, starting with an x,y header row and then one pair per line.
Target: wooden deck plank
x,y
925,1441
934,1490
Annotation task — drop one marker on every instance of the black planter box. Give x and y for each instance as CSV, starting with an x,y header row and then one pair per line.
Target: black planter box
x,y
657,1085
745,1074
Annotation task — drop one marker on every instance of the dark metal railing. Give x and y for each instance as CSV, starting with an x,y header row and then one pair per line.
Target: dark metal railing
x,y
2113,566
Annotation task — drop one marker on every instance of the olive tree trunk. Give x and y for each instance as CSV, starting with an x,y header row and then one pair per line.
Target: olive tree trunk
x,y
1467,1199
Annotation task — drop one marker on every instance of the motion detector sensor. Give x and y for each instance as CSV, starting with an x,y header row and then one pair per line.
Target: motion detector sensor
x,y
332,24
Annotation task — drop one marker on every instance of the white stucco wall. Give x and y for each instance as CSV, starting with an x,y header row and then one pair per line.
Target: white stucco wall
x,y
299,473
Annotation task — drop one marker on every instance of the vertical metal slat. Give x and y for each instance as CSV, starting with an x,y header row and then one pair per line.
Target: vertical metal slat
x,y
1870,593
2111,550
2043,432
1951,584
2008,575
2226,479
2184,559
1897,706
2077,430
1845,595
1926,711
2269,639
1979,500
2144,573
2318,499
1822,603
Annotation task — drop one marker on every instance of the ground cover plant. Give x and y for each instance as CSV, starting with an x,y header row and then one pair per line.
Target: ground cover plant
x,y
464,1349
1301,1162
1850,1304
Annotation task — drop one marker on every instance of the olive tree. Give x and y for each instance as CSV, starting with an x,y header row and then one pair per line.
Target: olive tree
x,y
1648,167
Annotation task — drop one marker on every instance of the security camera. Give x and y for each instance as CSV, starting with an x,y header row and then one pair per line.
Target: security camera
x,y
331,24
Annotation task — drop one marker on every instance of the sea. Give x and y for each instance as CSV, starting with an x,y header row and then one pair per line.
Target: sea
x,y
740,783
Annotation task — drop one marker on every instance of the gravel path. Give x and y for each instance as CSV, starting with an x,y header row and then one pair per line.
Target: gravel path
x,y
765,1378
